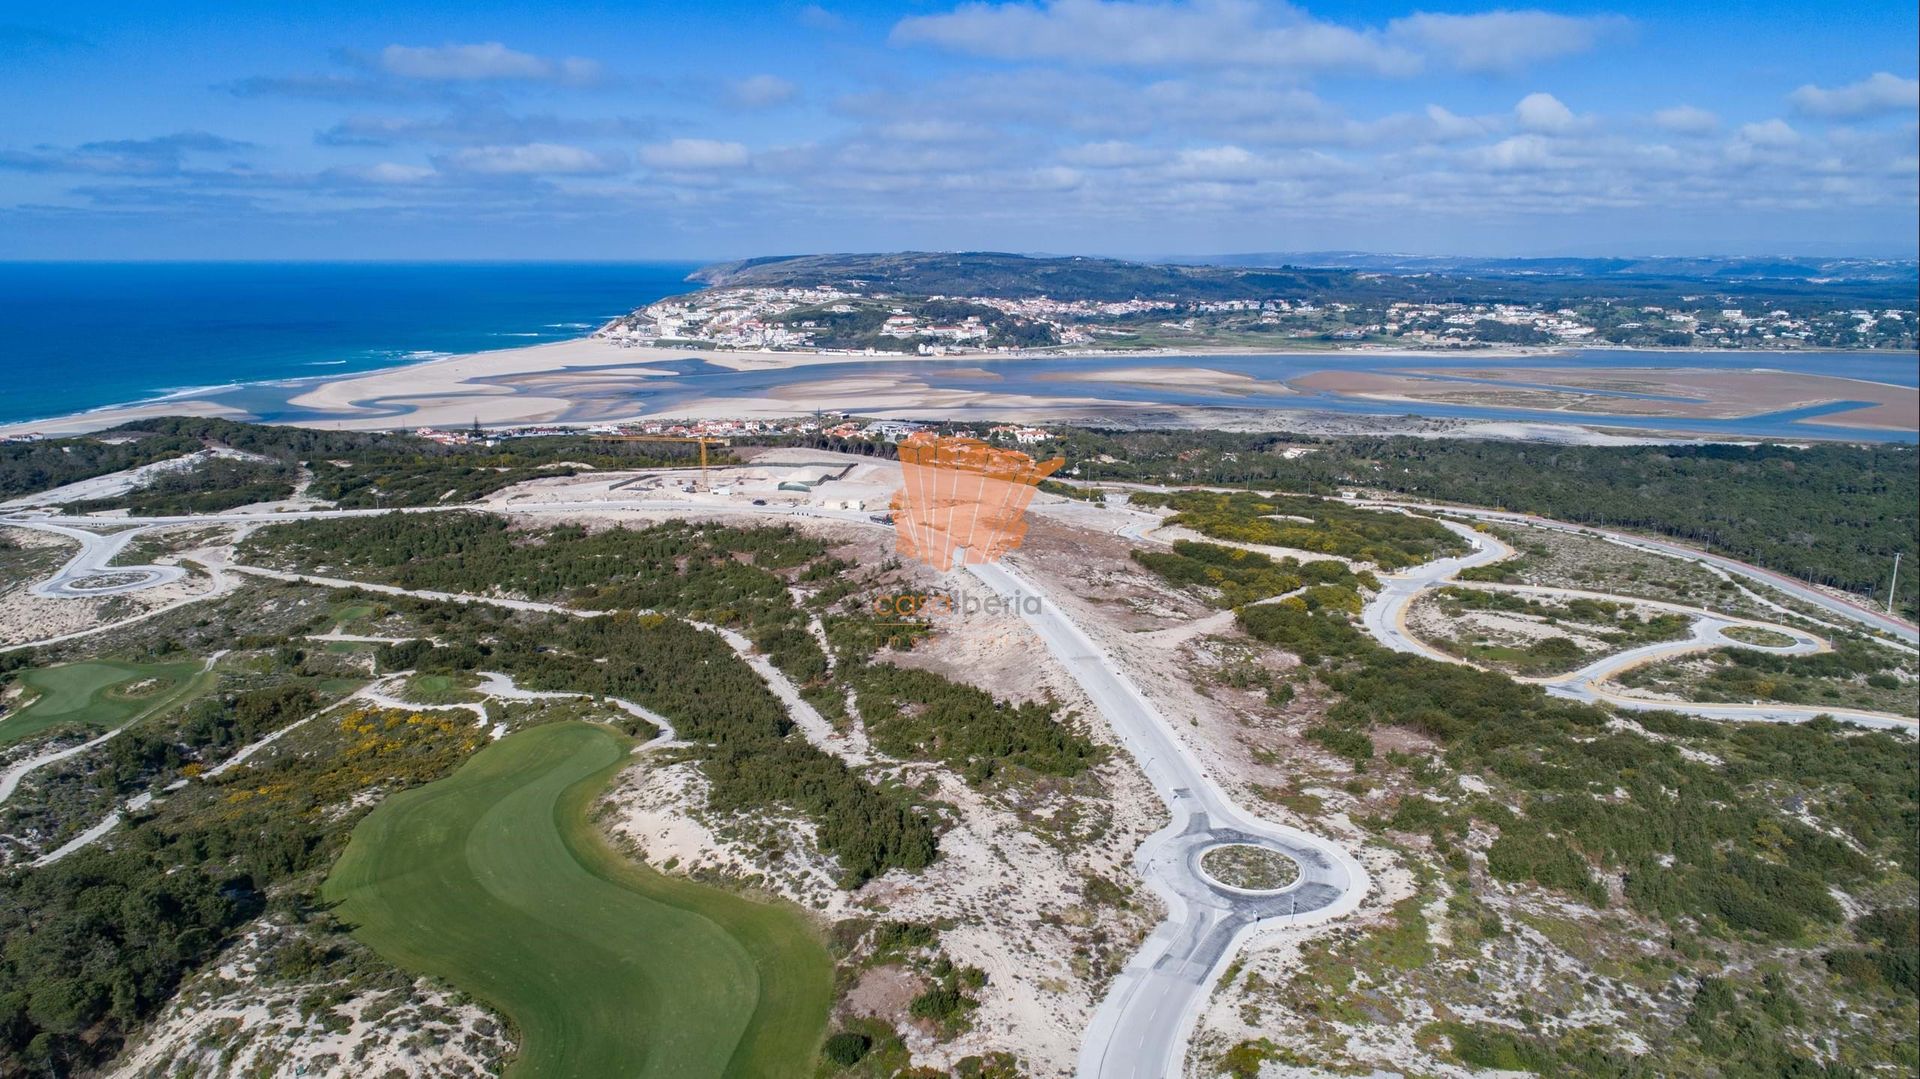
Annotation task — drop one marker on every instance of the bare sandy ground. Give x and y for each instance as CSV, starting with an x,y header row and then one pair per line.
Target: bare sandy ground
x,y
581,377
226,1022
1185,378
595,380
1010,885
99,419
1704,393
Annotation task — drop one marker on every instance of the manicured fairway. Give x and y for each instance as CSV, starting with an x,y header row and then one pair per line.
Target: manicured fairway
x,y
94,694
495,880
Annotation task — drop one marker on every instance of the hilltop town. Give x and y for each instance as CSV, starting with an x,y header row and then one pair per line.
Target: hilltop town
x,y
848,320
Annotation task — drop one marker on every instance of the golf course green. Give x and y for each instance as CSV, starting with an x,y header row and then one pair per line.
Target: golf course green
x,y
99,693
495,879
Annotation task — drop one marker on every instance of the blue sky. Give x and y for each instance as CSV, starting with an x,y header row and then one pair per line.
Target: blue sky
x,y
637,131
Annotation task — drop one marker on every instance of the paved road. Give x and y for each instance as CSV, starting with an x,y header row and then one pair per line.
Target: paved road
x,y
1142,1027
1856,612
1385,619
88,574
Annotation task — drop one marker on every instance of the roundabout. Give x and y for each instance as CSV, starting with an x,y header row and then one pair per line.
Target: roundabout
x,y
1250,869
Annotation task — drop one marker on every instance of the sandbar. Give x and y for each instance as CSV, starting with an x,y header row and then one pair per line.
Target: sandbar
x,y
1682,393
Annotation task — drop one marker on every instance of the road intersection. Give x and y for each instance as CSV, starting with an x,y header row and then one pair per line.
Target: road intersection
x,y
1143,1025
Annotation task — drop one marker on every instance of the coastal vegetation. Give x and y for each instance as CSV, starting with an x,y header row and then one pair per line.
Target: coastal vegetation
x,y
1855,674
351,468
1235,576
728,576
30,467
1322,526
210,486
1009,276
1690,838
1570,631
1242,865
94,943
1831,513
1759,876
915,714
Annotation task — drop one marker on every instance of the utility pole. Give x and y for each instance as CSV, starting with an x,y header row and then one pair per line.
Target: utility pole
x,y
1894,585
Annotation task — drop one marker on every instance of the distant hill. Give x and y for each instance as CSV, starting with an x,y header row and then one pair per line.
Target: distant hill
x,y
1327,276
1705,269
1008,276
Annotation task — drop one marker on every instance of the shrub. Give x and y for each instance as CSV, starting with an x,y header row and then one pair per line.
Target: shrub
x,y
847,1048
1353,745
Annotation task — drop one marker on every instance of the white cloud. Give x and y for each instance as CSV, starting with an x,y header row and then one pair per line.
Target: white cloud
x,y
1245,33
1686,120
1145,33
1543,113
1518,153
936,131
1217,163
1054,178
1449,126
815,17
477,127
1879,93
389,172
1503,41
1771,133
761,91
694,154
531,159
1110,154
485,62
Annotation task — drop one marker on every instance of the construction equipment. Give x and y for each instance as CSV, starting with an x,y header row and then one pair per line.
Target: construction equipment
x,y
703,442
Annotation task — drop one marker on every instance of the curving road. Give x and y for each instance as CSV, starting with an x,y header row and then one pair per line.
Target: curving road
x,y
1848,609
1384,617
89,573
1142,1026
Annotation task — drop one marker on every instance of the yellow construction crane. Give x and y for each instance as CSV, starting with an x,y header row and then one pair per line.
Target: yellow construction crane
x,y
702,441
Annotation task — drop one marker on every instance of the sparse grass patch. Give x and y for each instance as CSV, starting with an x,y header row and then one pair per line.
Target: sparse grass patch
x,y
1242,865
1765,638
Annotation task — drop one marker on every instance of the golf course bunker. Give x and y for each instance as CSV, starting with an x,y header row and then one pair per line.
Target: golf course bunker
x,y
1244,867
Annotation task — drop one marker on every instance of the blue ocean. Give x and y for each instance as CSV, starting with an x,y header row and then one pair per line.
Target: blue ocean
x,y
75,336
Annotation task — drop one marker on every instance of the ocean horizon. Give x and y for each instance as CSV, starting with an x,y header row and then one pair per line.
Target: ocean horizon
x,y
78,336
